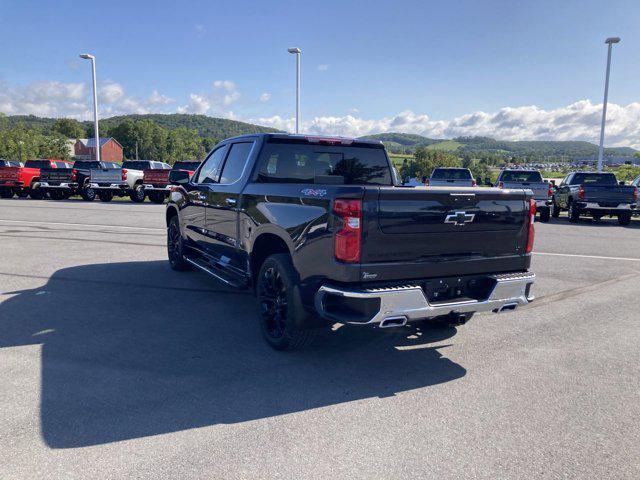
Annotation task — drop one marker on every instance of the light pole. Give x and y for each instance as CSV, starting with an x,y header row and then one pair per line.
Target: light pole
x,y
297,52
88,56
609,41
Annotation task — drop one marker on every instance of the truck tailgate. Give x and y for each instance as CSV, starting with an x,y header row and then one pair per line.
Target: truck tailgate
x,y
9,173
155,176
540,189
106,176
444,224
609,194
55,176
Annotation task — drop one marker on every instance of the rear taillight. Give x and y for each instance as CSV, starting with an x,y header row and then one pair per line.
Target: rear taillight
x,y
581,192
124,174
635,194
550,191
74,174
474,183
347,240
532,232
500,184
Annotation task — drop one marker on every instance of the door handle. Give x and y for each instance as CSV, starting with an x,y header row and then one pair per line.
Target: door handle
x,y
231,201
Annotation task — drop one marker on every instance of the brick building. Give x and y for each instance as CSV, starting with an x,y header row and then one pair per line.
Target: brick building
x,y
110,149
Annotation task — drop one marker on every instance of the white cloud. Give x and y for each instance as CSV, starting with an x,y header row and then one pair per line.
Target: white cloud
x,y
578,121
323,67
200,30
56,99
110,92
157,98
197,104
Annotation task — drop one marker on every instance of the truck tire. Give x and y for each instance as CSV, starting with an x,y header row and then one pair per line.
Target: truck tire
x,y
280,306
574,213
624,218
36,193
555,210
175,246
6,192
545,215
21,193
105,196
137,194
56,195
88,194
157,197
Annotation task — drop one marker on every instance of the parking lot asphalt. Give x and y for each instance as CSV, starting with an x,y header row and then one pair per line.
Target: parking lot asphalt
x,y
113,366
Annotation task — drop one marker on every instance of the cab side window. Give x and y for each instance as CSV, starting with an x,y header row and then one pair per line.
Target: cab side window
x,y
210,170
236,160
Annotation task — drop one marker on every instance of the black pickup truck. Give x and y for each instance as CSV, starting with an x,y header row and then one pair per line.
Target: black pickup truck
x,y
319,230
596,194
63,183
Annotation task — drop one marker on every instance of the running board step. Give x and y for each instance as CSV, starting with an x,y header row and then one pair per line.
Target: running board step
x,y
216,273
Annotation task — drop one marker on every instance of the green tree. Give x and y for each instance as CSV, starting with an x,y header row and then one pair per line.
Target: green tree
x,y
68,127
425,161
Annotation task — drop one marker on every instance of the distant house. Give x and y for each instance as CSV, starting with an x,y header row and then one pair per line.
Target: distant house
x,y
110,149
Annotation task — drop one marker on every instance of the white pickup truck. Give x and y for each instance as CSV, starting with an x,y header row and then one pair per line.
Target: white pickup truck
x,y
451,177
529,180
124,180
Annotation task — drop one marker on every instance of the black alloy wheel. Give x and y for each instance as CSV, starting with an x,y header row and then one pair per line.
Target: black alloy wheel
x,y
272,297
175,247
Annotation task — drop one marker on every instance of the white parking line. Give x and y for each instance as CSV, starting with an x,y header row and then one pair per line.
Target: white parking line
x,y
598,257
82,225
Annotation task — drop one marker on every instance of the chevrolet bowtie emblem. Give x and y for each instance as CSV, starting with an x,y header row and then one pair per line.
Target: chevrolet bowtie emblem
x,y
460,218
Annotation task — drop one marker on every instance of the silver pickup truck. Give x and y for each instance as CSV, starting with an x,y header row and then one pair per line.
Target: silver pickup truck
x,y
108,182
530,180
451,177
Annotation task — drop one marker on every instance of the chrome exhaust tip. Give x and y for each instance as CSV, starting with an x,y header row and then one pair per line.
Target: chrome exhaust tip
x,y
507,307
397,321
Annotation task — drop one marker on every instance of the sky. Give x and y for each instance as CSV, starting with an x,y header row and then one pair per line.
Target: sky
x,y
513,70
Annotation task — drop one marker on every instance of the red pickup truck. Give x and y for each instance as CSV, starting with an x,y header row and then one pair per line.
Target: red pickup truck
x,y
25,181
156,182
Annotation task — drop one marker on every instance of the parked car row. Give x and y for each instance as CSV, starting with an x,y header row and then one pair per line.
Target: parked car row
x,y
90,179
593,194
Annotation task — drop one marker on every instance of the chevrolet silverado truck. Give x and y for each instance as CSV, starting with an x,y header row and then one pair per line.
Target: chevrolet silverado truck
x,y
595,194
529,180
134,174
156,181
450,177
320,232
61,184
24,180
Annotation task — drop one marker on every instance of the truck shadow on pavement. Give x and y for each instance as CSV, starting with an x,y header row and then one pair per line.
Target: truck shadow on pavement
x,y
134,349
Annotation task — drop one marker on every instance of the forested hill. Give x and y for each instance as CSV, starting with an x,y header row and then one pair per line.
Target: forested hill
x,y
205,126
475,146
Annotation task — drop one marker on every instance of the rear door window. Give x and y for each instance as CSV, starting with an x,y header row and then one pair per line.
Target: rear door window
x,y
210,170
236,161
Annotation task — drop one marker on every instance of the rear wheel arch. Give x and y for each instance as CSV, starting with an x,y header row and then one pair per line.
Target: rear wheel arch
x,y
265,245
170,213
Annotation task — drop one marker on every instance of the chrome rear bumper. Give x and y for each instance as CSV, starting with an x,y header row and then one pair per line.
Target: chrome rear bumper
x,y
165,189
508,292
111,186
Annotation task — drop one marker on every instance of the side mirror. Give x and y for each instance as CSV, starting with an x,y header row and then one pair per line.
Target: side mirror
x,y
179,177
